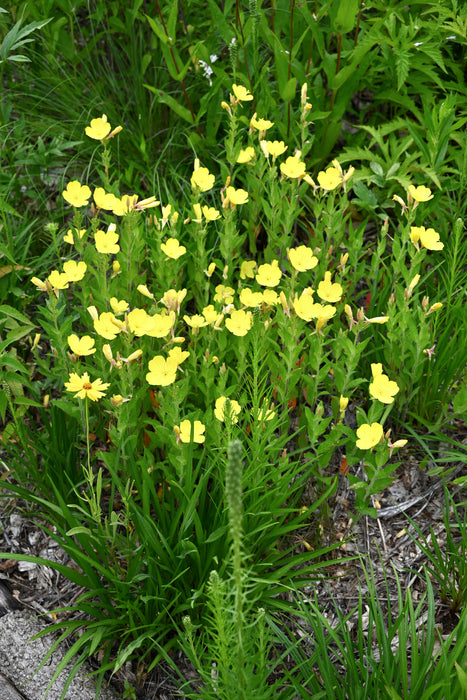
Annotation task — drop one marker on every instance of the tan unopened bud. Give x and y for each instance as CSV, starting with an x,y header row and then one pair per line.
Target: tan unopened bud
x,y
348,311
134,355
93,312
360,315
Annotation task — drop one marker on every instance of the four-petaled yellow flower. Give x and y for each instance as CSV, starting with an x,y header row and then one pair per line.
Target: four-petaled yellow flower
x,y
293,167
76,194
107,326
202,179
99,128
328,291
329,179
247,269
81,346
382,388
73,234
183,431
178,355
273,148
246,154
421,193
104,200
241,93
118,307
250,298
58,280
173,249
139,322
195,321
269,274
239,322
161,325
162,372
369,435
260,124
302,258
224,295
84,388
233,409
210,213
75,271
235,197
106,243
429,238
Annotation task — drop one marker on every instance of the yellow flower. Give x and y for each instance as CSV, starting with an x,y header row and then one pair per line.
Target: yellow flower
x,y
429,238
421,193
329,179
381,387
81,346
104,200
161,325
269,274
106,243
247,269
239,322
224,295
328,291
274,148
270,297
118,307
178,355
84,388
369,435
202,179
250,298
99,128
233,409
210,213
264,413
76,194
260,124
172,299
75,271
183,431
107,326
173,249
58,280
302,258
293,167
241,93
195,321
234,196
210,314
307,309
72,234
246,154
142,289
139,322
162,372
125,204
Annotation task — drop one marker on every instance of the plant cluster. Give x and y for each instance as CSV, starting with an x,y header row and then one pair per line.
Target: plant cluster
x,y
186,377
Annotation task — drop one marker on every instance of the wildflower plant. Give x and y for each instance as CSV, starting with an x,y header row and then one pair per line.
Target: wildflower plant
x,y
175,329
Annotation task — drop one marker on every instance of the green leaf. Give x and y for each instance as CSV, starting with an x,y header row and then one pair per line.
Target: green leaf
x,y
346,14
289,89
182,112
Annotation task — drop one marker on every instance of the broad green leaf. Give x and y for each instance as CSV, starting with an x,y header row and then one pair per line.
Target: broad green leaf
x,y
182,112
346,14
